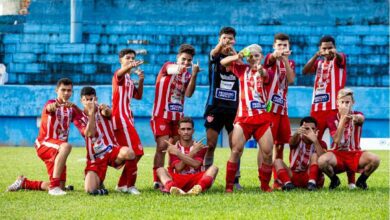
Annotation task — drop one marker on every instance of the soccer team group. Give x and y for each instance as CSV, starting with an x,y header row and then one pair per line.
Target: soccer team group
x,y
247,97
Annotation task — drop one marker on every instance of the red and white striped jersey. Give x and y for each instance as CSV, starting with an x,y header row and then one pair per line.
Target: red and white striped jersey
x,y
252,94
104,139
123,90
170,93
330,78
55,125
350,141
278,86
173,160
300,155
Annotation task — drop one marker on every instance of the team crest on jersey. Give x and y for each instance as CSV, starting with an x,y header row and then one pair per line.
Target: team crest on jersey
x,y
162,127
210,118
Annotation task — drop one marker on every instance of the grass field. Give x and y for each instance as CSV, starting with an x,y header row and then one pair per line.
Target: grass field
x,y
250,203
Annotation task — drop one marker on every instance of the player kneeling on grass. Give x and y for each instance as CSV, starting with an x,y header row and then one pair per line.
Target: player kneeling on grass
x,y
346,129
251,118
102,148
305,148
184,175
52,143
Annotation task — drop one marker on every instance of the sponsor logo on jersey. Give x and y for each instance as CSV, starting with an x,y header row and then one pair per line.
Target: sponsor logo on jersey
x,y
175,107
228,77
257,105
277,100
321,98
229,95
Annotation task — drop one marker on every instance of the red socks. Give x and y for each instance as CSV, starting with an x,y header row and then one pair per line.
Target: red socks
x,y
129,174
54,182
32,185
265,173
351,177
313,172
168,185
205,182
155,177
231,169
283,176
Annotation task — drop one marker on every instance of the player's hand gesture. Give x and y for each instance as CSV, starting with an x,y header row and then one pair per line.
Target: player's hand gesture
x,y
301,130
198,145
140,74
171,149
196,68
69,104
53,106
333,51
135,63
277,54
319,53
310,134
91,107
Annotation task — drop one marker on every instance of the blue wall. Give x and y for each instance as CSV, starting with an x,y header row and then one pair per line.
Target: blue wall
x,y
18,117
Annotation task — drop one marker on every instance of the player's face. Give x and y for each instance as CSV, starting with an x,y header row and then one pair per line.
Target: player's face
x,y
64,92
87,99
281,45
325,49
184,59
126,59
186,131
345,102
255,58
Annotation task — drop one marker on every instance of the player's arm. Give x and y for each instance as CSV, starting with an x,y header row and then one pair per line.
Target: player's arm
x,y
140,89
312,136
230,59
340,128
217,49
309,66
289,70
90,129
296,138
105,110
339,56
192,84
51,107
126,69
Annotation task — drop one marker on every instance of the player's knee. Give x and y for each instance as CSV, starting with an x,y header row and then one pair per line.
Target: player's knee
x,y
65,147
375,160
236,152
129,154
323,162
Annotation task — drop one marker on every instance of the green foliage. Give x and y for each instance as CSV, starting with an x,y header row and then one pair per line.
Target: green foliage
x,y
250,203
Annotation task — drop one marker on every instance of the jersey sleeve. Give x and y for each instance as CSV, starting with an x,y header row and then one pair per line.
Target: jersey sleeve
x,y
173,160
163,70
200,155
292,64
332,125
237,68
315,66
80,121
118,80
267,63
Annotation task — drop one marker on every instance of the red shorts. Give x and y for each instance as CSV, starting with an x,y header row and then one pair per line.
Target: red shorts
x,y
255,125
347,160
280,125
163,127
301,179
186,181
128,136
47,151
321,118
99,166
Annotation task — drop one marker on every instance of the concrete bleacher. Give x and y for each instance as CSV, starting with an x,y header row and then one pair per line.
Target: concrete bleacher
x,y
37,51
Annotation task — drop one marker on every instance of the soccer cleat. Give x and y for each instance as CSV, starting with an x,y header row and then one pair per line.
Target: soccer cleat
x,y
69,188
133,190
351,186
196,190
56,191
176,191
276,186
361,184
266,188
157,185
311,186
238,186
17,185
122,189
288,186
334,182
99,192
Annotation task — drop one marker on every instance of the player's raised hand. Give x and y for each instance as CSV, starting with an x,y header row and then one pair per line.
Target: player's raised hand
x,y
333,51
69,104
140,74
286,53
277,54
311,134
135,63
196,68
91,107
198,145
301,130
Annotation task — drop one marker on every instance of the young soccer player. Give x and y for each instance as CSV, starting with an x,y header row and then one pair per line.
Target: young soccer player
x,y
251,118
123,90
346,128
173,83
184,175
305,148
281,71
52,143
222,103
102,148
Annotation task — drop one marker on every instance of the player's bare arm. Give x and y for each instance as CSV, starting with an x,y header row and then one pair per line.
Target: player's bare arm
x,y
344,118
312,136
228,60
90,129
309,66
140,89
289,71
296,138
358,119
105,110
192,84
184,159
339,58
52,106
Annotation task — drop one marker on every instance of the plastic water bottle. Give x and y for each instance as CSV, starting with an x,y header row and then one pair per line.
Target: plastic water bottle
x,y
3,74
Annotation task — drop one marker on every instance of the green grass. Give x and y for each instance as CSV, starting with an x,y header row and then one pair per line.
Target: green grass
x,y
248,204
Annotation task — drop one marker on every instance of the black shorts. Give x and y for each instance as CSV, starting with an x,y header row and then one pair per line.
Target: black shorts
x,y
219,120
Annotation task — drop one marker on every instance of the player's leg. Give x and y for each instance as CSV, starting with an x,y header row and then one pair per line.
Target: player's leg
x,y
212,138
126,181
327,162
351,179
168,182
205,181
264,158
283,175
23,183
159,157
92,182
238,142
313,172
369,162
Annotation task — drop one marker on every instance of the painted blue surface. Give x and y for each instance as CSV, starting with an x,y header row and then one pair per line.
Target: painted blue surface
x,y
21,105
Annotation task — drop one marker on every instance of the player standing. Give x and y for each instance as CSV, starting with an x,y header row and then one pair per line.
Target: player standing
x,y
346,129
173,82
184,175
281,71
52,143
123,90
251,118
222,103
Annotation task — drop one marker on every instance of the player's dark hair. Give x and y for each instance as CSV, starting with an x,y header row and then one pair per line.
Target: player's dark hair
x,y
327,38
281,36
186,120
87,90
227,30
308,120
186,48
64,81
123,52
